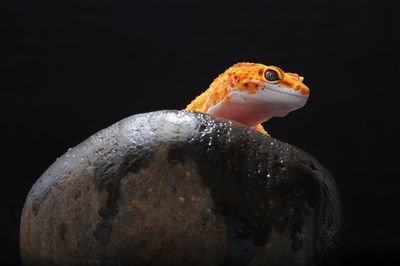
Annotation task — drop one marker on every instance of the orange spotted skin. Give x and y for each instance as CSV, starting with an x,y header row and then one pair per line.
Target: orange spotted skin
x,y
244,77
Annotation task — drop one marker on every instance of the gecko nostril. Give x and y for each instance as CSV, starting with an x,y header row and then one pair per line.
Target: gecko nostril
x,y
304,90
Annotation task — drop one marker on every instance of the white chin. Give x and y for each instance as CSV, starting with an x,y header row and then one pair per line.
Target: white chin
x,y
252,109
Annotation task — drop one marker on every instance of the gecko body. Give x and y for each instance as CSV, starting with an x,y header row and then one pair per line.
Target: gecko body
x,y
251,94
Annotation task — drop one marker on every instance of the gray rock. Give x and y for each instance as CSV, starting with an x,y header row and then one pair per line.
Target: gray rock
x,y
181,188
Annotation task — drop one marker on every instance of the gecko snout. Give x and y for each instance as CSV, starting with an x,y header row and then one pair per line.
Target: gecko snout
x,y
303,89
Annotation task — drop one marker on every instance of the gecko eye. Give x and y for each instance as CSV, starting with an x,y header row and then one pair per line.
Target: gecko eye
x,y
271,75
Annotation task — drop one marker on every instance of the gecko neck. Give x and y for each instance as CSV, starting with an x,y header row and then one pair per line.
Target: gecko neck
x,y
247,114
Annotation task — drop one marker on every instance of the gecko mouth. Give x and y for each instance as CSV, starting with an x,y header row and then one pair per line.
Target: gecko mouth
x,y
286,91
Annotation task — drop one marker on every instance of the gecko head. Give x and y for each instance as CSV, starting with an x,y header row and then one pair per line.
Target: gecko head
x,y
285,91
258,92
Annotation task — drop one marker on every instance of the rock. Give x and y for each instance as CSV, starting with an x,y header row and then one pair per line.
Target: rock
x,y
181,188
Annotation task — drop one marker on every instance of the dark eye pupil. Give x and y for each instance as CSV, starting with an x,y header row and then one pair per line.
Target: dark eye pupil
x,y
271,75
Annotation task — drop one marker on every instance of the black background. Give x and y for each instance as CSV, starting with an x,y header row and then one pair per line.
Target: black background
x,y
71,68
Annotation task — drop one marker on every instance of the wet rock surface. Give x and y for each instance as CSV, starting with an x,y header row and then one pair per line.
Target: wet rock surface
x,y
181,188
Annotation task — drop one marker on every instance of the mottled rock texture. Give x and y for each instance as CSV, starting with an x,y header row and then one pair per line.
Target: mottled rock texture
x,y
181,188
